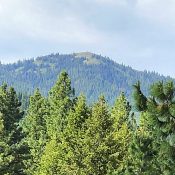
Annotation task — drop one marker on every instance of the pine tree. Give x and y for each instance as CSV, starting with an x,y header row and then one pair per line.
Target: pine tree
x,y
142,151
61,101
98,140
34,127
5,157
50,160
159,121
122,132
12,151
162,107
139,97
73,138
65,156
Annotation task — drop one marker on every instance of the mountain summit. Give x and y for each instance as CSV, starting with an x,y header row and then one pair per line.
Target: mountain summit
x,y
91,74
90,58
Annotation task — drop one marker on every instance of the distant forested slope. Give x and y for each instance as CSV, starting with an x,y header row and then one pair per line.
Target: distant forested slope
x,y
90,74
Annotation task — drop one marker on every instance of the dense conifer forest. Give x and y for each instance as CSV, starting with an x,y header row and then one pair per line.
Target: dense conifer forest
x,y
62,134
91,75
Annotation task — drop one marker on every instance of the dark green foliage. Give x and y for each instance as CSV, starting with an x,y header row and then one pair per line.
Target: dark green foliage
x,y
142,151
91,75
24,99
159,122
140,99
12,152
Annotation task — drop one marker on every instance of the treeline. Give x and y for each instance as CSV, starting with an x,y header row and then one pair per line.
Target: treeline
x,y
91,74
62,135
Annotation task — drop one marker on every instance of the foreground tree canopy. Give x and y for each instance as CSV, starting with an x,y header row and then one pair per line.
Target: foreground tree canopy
x,y
62,135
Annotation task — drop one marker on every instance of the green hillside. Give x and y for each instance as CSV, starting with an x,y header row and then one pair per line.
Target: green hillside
x,y
91,75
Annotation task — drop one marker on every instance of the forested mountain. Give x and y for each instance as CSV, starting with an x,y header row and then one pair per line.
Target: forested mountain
x,y
90,74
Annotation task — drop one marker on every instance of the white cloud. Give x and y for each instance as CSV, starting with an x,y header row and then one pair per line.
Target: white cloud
x,y
110,2
25,18
159,11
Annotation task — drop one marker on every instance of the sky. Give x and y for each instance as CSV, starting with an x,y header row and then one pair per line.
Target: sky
x,y
138,33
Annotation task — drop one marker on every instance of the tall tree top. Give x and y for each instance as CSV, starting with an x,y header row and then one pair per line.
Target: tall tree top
x,y
62,87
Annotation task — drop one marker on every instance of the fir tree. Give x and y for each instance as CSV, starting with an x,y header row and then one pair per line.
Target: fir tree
x,y
98,140
61,101
12,152
73,138
34,126
66,156
122,133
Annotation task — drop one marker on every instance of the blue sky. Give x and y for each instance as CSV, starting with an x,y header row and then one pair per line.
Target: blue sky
x,y
139,33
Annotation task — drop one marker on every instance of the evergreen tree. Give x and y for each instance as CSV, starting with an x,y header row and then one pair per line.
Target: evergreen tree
x,y
12,152
66,156
122,132
73,139
160,123
61,101
142,151
98,140
162,108
62,135
34,127
139,97
50,160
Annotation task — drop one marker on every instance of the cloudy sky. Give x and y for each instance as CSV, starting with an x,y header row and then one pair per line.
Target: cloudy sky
x,y
139,33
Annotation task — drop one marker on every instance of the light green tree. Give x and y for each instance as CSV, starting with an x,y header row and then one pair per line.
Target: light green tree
x,y
61,98
98,140
61,101
73,139
34,127
122,133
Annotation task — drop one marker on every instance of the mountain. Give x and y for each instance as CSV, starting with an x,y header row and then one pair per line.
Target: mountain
x,y
91,75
